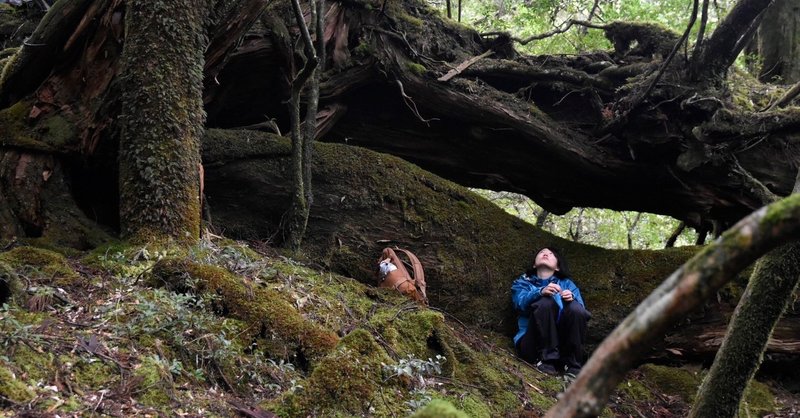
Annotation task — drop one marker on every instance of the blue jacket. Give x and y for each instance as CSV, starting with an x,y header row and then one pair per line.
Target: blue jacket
x,y
528,289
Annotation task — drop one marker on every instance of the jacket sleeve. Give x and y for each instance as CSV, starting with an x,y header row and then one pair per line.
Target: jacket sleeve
x,y
523,293
576,293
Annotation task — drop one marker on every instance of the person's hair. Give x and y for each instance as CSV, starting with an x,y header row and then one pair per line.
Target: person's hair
x,y
563,267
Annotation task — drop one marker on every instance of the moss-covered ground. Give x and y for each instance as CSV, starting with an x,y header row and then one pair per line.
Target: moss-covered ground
x,y
219,328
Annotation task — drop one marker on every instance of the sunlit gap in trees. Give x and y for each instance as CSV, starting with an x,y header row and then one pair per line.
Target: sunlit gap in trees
x,y
601,227
532,17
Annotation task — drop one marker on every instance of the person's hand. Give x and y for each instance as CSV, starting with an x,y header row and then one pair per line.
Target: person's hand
x,y
551,289
566,294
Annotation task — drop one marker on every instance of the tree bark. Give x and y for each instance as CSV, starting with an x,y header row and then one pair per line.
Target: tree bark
x,y
162,119
296,219
50,42
711,61
779,43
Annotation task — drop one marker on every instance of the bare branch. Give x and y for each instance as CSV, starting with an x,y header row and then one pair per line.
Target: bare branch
x,y
411,105
702,30
675,234
753,184
557,31
464,65
685,290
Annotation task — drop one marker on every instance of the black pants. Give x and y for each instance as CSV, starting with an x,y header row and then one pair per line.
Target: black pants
x,y
555,340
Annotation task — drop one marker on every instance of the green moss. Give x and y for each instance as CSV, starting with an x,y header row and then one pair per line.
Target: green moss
x,y
364,49
37,367
11,288
94,375
153,386
758,400
265,310
5,70
416,68
346,381
396,10
14,129
13,388
474,407
672,380
634,390
439,408
51,266
781,211
57,131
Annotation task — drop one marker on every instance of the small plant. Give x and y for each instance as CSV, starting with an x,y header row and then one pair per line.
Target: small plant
x,y
419,399
13,331
414,370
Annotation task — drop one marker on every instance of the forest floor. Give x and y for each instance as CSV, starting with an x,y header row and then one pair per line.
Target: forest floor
x,y
90,334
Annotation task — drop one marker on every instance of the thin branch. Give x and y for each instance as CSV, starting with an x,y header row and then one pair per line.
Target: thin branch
x,y
308,47
464,65
594,9
685,290
675,234
758,188
413,106
746,37
786,98
702,30
557,31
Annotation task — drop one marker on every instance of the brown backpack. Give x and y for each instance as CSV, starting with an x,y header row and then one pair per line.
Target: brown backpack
x,y
411,285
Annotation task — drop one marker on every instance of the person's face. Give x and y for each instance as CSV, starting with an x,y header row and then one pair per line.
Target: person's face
x,y
546,258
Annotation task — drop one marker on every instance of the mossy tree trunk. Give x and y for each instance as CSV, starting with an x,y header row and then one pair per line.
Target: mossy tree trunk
x,y
296,220
779,43
162,119
101,82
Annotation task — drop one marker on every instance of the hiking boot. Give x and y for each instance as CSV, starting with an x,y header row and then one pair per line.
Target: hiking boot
x,y
572,372
547,368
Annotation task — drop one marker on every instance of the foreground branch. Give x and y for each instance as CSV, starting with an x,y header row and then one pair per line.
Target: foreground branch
x,y
768,294
685,290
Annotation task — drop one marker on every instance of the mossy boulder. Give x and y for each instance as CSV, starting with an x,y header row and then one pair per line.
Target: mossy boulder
x,y
438,408
39,265
348,381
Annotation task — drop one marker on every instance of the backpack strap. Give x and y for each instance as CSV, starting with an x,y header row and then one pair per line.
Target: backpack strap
x,y
418,273
390,254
